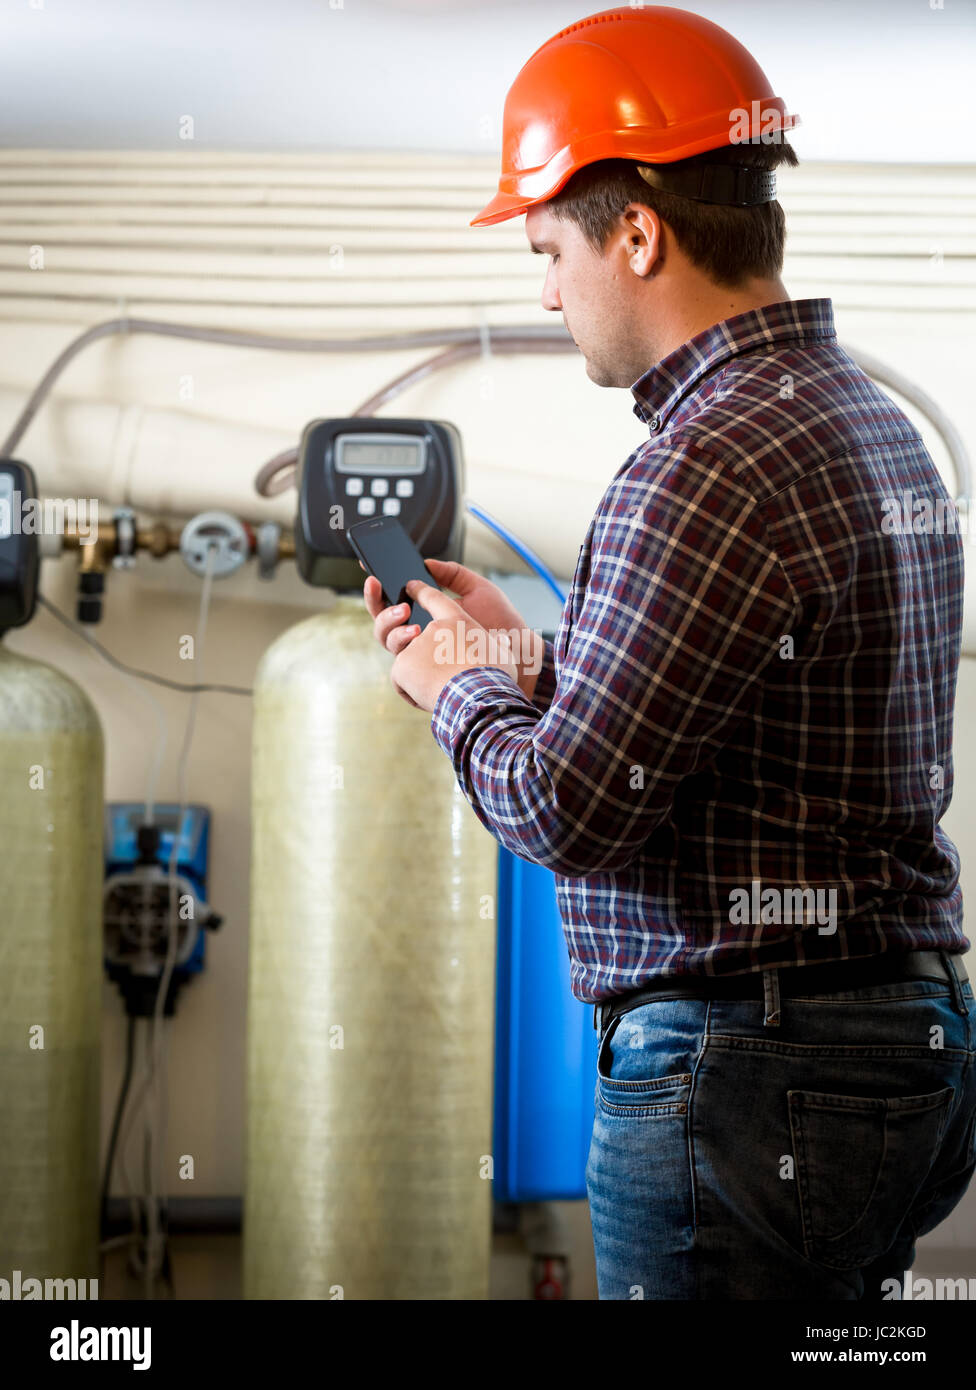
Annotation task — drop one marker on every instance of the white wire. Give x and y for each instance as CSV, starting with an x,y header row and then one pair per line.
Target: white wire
x,y
158,1065
155,1147
138,1204
153,1084
163,1115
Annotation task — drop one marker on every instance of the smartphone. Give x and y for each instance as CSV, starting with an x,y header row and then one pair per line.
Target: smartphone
x,y
387,551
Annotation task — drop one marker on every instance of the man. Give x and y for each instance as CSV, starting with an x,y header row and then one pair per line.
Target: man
x,y
737,752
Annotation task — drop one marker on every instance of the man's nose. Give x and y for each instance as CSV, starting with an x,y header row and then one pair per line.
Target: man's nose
x,y
550,294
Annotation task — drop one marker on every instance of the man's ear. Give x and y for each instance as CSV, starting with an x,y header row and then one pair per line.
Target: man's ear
x,y
643,238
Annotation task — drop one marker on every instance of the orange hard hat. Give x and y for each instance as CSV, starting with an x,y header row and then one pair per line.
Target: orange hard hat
x,y
652,84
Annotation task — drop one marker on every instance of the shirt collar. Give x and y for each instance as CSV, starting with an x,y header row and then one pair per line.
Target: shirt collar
x,y
661,389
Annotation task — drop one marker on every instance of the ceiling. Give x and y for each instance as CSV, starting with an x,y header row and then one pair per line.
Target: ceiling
x,y
879,80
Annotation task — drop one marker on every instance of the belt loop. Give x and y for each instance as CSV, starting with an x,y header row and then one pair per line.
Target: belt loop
x,y
771,1017
955,985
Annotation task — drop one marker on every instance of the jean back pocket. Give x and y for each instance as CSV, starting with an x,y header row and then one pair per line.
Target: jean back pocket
x,y
860,1162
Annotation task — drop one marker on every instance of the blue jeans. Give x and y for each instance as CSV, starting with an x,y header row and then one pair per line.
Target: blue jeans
x,y
733,1160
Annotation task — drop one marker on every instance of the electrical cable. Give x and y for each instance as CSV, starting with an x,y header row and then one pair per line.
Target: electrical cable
x,y
157,1075
186,688
529,337
138,1206
157,1263
136,1212
152,1087
281,472
149,814
165,1270
130,675
384,342
479,346
116,1123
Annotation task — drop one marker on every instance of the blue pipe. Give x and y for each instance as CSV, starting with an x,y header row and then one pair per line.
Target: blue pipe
x,y
522,550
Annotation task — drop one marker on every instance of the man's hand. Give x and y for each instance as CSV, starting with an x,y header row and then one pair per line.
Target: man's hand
x,y
479,598
453,642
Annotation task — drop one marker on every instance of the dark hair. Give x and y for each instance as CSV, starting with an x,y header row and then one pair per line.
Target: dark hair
x,y
731,244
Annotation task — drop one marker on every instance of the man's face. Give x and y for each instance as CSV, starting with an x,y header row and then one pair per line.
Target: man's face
x,y
596,295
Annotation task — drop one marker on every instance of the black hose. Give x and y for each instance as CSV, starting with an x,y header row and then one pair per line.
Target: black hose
x,y
117,1123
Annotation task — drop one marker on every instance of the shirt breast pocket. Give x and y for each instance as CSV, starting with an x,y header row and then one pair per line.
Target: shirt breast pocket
x,y
575,602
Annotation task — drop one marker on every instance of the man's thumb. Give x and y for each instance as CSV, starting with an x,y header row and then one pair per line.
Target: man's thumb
x,y
451,575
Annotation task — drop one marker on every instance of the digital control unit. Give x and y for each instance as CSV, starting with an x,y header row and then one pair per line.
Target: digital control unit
x,y
355,468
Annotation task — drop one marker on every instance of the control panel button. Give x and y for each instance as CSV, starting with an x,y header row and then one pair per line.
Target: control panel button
x,y
354,487
404,487
379,487
391,506
366,506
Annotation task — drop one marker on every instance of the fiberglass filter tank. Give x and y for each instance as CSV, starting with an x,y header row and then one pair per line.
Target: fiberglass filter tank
x,y
371,994
50,973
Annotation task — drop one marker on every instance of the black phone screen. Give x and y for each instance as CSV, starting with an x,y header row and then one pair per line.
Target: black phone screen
x,y
388,553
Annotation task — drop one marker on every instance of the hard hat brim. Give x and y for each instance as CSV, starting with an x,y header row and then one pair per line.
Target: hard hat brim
x,y
501,208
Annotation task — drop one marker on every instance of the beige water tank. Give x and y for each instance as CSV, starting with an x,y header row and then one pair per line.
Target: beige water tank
x,y
371,990
51,807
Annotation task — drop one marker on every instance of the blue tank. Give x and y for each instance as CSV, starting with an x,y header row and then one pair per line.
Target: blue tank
x,y
545,1046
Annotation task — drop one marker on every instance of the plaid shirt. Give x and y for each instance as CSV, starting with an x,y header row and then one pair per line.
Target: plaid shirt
x,y
746,716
